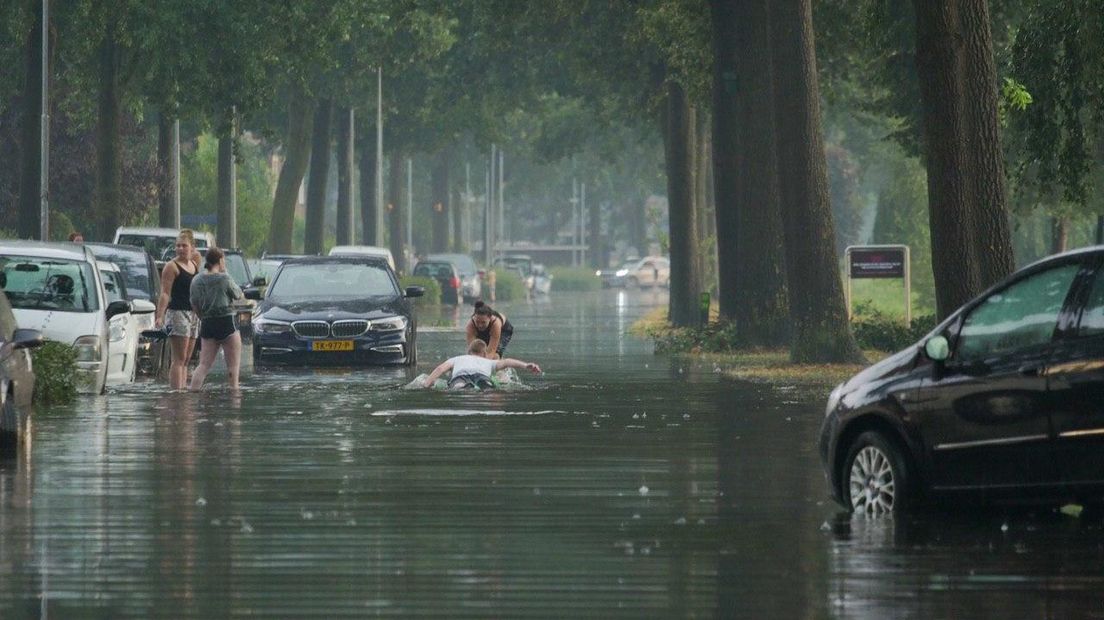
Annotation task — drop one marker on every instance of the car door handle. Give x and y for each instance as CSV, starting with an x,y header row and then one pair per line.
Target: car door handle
x,y
1030,371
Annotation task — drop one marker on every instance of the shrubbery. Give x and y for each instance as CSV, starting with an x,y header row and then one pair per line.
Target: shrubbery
x,y
574,279
877,330
55,368
508,287
432,289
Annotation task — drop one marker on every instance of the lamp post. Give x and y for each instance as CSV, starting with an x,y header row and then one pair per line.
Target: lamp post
x,y
379,157
44,159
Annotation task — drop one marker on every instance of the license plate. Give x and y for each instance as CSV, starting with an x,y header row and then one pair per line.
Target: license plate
x,y
332,345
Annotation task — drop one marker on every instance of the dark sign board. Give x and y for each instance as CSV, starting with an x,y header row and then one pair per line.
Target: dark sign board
x,y
877,263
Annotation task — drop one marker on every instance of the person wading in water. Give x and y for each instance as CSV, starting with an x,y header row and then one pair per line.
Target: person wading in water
x,y
174,307
491,327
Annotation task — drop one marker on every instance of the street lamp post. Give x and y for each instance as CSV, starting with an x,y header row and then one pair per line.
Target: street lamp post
x,y
44,159
379,158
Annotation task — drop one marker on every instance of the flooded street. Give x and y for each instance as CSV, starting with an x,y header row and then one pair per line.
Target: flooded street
x,y
621,484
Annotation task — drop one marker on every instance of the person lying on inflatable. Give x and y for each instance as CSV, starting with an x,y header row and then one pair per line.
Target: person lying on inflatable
x,y
474,370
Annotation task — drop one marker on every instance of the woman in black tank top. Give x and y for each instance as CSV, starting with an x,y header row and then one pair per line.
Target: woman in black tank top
x,y
174,307
492,328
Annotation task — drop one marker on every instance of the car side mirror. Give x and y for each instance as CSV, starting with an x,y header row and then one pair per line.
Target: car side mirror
x,y
27,339
414,291
260,281
252,293
142,306
937,349
117,307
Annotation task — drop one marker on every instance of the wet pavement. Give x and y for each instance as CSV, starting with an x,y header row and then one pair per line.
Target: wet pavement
x,y
622,484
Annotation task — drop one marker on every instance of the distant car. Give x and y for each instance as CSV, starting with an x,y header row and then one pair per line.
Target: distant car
x,y
542,280
339,310
142,280
17,377
240,271
644,272
364,250
57,289
520,264
1001,401
446,275
124,330
159,242
471,287
268,264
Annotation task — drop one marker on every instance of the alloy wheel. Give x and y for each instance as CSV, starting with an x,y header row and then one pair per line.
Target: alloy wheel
x,y
872,482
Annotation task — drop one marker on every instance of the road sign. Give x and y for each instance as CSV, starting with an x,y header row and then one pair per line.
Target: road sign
x,y
879,262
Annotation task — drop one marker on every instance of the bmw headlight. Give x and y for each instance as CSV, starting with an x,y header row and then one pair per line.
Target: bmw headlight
x,y
389,324
268,326
88,349
117,331
621,273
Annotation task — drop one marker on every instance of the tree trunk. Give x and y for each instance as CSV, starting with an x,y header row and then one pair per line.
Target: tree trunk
x,y
971,245
594,230
440,201
678,140
297,150
319,175
726,155
30,147
1059,234
396,218
345,227
459,211
993,234
636,210
227,235
819,323
166,207
368,206
107,192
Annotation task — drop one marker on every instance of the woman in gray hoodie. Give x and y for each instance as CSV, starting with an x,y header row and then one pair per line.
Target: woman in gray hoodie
x,y
211,295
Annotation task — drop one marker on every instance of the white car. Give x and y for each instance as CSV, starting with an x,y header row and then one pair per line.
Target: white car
x,y
57,289
159,242
363,250
124,330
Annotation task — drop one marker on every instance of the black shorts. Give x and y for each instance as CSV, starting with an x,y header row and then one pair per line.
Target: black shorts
x,y
479,382
217,328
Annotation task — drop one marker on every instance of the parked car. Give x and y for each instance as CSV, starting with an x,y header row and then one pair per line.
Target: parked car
x,y
471,287
57,289
1001,400
142,280
240,271
542,280
336,310
269,264
364,250
159,242
17,377
521,265
446,275
124,330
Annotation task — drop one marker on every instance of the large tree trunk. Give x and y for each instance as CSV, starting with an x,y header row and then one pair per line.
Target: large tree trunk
x,y
396,218
678,140
989,209
820,331
319,175
345,227
107,192
166,186
971,245
440,201
30,137
227,235
726,155
297,150
368,206
1059,234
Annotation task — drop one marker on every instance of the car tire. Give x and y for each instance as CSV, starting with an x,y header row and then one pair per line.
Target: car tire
x,y
9,434
875,480
412,355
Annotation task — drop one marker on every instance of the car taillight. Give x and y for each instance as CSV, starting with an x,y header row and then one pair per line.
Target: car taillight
x,y
454,282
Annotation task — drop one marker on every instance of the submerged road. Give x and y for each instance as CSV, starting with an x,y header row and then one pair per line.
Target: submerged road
x,y
622,484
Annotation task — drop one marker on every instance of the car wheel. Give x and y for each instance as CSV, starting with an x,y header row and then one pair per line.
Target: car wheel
x,y
876,478
412,355
9,434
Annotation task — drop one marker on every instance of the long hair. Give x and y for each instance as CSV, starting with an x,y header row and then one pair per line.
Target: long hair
x,y
214,255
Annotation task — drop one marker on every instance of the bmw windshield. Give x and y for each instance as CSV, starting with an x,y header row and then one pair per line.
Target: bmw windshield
x,y
324,280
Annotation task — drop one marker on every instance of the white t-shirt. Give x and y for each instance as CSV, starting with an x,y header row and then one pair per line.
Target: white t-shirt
x,y
472,365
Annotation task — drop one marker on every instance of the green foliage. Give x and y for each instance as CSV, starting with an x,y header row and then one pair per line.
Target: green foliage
x,y
55,368
199,188
876,330
509,287
902,218
432,288
574,279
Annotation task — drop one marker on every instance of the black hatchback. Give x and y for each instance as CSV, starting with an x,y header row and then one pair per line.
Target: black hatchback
x,y
1004,400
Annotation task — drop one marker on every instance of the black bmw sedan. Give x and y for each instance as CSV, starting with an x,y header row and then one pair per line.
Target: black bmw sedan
x,y
343,310
1004,400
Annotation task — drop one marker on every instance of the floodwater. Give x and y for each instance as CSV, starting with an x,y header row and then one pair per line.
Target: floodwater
x,y
622,485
